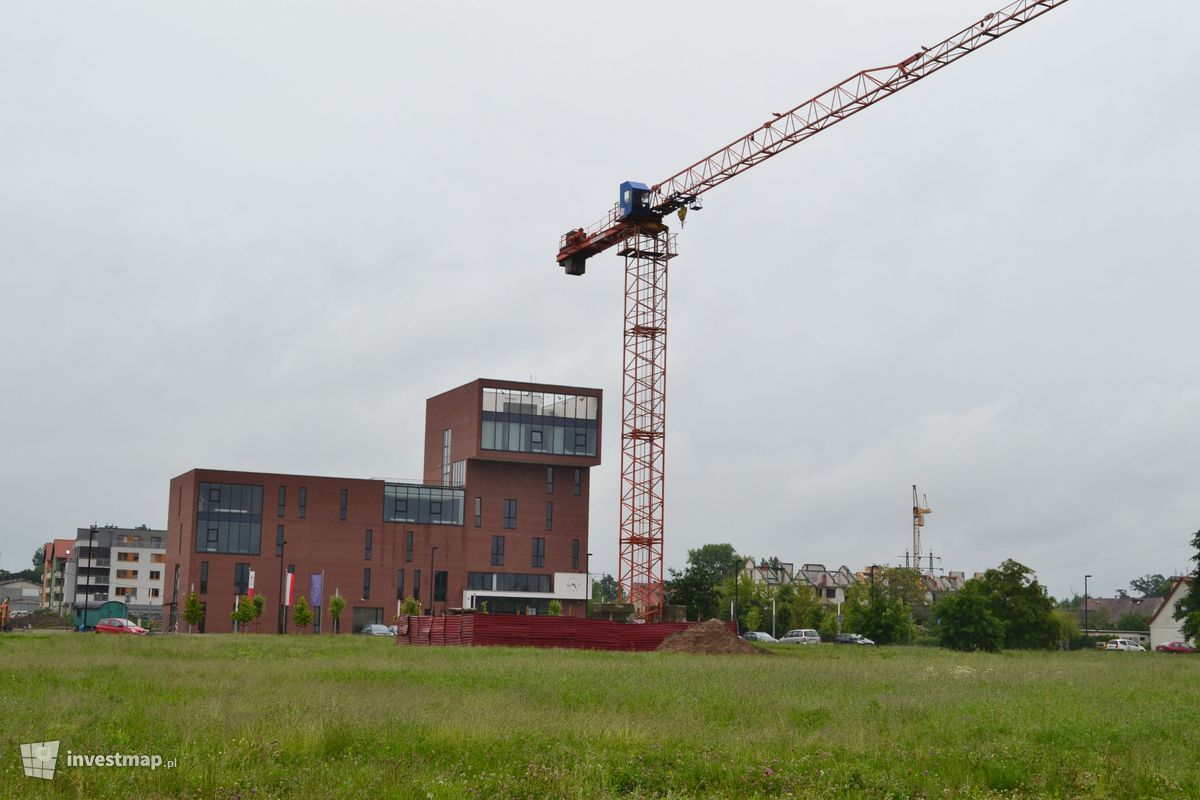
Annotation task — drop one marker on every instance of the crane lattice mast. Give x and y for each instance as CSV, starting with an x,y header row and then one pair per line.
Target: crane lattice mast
x,y
635,224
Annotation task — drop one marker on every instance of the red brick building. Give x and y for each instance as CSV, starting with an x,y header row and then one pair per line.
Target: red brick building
x,y
500,516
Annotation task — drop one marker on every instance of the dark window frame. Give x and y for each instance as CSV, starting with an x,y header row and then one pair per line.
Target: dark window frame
x,y
578,482
549,515
538,554
497,551
510,513
343,504
478,512
368,541
408,546
203,577
303,502
574,554
281,506
366,592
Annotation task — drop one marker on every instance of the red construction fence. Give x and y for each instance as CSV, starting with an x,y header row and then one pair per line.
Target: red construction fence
x,y
534,631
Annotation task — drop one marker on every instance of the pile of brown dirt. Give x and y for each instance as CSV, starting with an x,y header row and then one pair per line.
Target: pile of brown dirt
x,y
709,637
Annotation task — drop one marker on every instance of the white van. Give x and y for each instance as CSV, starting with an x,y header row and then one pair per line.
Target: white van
x,y
802,636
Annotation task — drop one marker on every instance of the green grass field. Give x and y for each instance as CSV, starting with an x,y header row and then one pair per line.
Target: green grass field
x,y
315,717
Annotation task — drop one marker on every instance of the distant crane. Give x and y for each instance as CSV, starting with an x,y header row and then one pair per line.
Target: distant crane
x,y
635,226
920,509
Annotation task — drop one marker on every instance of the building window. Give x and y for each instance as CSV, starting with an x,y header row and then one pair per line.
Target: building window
x,y
399,584
303,502
574,554
343,503
127,574
282,504
366,594
549,516
408,546
439,587
497,551
539,552
367,545
446,457
549,480
203,577
158,558
831,592
155,575
128,557
279,541
510,513
478,512
416,584
156,542
578,482
241,578
155,593
233,522
432,505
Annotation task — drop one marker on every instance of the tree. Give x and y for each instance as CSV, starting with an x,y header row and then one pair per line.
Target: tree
x,y
1151,586
1133,621
260,604
39,563
699,585
301,613
336,605
870,611
963,621
1016,599
604,590
244,611
193,610
1188,607
411,607
555,608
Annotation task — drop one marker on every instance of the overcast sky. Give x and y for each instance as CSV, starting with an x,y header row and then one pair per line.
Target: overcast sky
x,y
258,236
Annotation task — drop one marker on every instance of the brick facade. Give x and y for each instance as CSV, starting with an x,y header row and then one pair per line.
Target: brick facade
x,y
322,542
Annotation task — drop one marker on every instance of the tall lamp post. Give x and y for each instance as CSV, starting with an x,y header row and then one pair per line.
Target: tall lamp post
x,y
279,543
1085,604
432,580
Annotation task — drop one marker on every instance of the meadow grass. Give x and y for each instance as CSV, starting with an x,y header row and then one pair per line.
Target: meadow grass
x,y
259,716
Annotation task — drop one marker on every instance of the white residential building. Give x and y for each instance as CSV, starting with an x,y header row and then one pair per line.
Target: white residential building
x,y
1163,625
110,563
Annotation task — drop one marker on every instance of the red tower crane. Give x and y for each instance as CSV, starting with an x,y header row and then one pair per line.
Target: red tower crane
x,y
635,225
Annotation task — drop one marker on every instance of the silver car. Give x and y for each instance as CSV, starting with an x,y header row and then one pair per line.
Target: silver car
x,y
801,636
377,630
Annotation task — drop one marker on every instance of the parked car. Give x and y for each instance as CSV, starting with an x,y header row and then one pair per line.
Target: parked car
x,y
1175,647
118,625
801,636
377,630
1124,645
853,638
759,636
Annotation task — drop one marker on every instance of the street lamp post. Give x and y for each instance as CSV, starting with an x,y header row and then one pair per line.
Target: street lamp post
x,y
432,580
279,543
587,598
1085,604
87,592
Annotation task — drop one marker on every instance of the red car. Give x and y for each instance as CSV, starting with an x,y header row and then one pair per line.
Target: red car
x,y
1175,647
118,625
